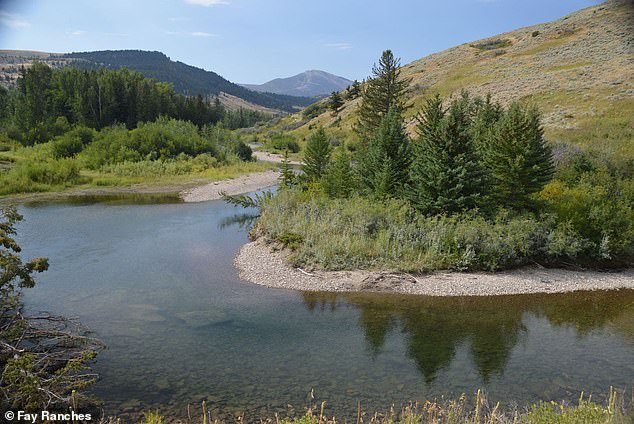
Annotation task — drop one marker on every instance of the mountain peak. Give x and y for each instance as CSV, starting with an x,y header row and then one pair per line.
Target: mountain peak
x,y
313,82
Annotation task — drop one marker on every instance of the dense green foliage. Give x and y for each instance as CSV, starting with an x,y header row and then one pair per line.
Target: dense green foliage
x,y
164,148
478,188
49,102
383,91
517,157
317,155
283,143
446,175
383,167
185,79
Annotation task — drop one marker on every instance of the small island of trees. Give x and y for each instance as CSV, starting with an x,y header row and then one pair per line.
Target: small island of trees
x,y
476,188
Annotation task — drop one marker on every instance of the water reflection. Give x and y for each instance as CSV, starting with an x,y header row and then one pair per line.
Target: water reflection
x,y
490,327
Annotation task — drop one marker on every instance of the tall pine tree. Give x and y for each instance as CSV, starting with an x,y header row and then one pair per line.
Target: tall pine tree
x,y
317,155
446,175
384,166
517,157
339,180
383,92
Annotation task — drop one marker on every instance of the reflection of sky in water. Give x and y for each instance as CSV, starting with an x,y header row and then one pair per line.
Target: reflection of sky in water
x,y
157,285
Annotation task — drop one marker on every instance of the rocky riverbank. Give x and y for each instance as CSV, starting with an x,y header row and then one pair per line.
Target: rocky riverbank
x,y
259,263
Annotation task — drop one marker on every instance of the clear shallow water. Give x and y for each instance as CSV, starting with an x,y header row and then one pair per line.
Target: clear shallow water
x,y
157,284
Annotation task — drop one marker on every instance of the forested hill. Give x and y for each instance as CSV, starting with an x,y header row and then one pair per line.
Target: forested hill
x,y
186,79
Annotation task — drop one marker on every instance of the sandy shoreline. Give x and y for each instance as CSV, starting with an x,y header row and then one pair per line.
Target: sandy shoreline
x,y
243,184
257,263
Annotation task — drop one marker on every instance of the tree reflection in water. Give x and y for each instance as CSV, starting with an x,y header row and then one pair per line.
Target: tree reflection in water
x,y
435,327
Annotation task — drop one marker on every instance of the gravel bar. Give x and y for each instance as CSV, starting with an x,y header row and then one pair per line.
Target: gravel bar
x,y
258,263
244,184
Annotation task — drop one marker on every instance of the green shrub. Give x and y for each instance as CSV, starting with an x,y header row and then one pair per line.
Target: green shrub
x,y
73,142
32,176
284,142
360,233
492,44
314,110
290,240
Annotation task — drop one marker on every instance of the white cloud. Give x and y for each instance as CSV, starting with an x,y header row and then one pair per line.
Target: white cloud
x,y
339,46
206,3
202,34
12,21
76,33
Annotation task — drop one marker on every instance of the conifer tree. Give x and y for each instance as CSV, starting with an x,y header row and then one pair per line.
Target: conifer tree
x,y
383,92
517,157
354,90
335,102
446,175
339,180
317,155
384,166
287,176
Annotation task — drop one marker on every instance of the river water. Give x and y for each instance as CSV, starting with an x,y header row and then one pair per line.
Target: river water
x,y
156,283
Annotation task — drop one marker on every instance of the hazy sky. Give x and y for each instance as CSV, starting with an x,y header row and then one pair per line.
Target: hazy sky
x,y
253,41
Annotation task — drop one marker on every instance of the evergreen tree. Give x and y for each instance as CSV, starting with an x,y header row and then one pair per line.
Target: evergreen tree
x,y
446,175
517,157
317,155
383,167
353,91
382,93
335,102
339,180
287,176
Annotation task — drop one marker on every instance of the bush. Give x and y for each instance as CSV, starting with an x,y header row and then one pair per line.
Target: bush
x,y
492,44
243,151
33,176
73,142
284,142
360,233
314,110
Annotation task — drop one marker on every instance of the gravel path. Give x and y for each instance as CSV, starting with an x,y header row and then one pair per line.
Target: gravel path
x,y
240,185
272,157
259,264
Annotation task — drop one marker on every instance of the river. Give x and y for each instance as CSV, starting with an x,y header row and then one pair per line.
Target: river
x,y
156,283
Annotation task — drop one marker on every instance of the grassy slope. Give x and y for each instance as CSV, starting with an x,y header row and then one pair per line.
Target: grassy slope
x,y
578,69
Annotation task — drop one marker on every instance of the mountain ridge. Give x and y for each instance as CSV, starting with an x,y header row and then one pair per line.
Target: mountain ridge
x,y
186,79
309,83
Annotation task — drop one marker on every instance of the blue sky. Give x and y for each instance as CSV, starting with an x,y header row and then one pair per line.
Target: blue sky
x,y
253,41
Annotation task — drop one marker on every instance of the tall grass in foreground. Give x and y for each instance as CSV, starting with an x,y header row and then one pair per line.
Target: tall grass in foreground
x,y
460,411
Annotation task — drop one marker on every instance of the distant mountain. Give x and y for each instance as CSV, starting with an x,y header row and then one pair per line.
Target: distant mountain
x,y
185,78
310,83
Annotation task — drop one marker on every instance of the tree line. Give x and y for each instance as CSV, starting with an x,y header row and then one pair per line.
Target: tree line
x,y
471,153
47,103
483,170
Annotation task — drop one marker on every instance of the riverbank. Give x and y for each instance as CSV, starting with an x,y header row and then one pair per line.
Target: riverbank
x,y
240,185
193,190
259,263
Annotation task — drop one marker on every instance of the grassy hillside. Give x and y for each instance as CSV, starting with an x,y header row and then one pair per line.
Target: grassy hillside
x,y
578,69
